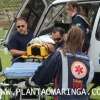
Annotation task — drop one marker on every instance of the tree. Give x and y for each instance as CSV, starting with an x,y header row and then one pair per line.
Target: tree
x,y
8,8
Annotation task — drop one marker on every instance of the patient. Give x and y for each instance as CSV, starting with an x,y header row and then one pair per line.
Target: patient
x,y
44,42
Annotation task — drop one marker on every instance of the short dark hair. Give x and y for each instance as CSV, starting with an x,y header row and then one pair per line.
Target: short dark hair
x,y
20,18
58,29
64,26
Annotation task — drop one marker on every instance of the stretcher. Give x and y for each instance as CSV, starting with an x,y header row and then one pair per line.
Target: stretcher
x,y
20,72
37,52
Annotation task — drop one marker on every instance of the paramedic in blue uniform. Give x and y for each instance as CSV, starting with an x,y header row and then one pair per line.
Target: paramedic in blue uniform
x,y
58,33
57,36
79,15
69,67
18,42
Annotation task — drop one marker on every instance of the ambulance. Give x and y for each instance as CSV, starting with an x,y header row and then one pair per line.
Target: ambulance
x,y
42,16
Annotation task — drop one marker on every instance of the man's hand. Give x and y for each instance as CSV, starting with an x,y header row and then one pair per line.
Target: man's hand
x,y
50,47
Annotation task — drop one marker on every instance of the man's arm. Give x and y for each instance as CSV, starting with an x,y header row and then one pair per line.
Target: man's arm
x,y
16,52
13,46
48,70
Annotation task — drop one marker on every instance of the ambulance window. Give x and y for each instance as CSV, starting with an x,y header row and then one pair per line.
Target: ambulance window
x,y
56,13
32,12
98,32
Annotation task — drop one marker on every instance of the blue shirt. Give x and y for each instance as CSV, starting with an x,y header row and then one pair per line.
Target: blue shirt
x,y
19,42
52,69
81,22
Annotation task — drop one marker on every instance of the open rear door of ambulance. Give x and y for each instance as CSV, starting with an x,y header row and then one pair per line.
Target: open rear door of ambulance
x,y
94,51
33,11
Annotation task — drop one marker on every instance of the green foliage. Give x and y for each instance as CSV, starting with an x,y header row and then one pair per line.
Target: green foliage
x,y
5,58
4,54
9,4
2,33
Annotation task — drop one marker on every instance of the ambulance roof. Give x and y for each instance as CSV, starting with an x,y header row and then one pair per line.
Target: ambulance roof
x,y
63,1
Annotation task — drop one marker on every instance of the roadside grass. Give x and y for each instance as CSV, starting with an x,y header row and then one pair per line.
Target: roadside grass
x,y
96,93
4,54
2,33
5,58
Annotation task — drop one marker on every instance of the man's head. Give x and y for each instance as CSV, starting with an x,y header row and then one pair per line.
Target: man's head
x,y
72,8
57,35
21,25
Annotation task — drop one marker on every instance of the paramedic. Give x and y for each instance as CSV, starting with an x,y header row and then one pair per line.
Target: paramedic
x,y
69,67
57,36
18,43
79,15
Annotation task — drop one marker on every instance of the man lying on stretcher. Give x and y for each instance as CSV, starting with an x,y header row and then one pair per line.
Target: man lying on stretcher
x,y
39,48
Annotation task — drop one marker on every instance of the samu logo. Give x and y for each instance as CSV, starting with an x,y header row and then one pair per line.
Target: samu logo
x,y
78,69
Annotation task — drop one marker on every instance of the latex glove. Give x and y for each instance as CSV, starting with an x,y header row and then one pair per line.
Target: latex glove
x,y
50,47
21,85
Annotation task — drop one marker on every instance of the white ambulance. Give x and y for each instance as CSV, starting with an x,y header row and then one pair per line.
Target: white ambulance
x,y
42,17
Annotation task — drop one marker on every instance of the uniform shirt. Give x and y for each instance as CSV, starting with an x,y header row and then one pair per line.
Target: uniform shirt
x,y
53,69
80,21
59,45
19,42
